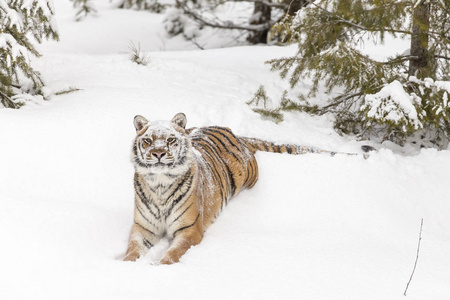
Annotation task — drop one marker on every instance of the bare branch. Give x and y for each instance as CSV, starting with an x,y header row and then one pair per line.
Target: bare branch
x,y
193,41
443,57
226,25
417,257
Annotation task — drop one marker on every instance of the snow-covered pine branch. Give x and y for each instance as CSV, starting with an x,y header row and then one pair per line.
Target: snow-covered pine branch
x,y
155,6
22,22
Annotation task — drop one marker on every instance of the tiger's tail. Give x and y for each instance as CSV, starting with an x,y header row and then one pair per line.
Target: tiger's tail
x,y
255,145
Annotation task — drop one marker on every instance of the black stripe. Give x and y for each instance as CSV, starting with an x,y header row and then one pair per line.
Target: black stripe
x,y
222,128
289,149
213,156
223,145
252,167
186,227
182,213
140,163
165,187
253,177
137,159
249,171
186,176
147,243
217,130
175,202
230,174
140,211
232,184
146,200
182,161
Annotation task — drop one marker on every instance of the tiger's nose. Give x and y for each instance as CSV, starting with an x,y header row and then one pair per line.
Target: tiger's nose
x,y
158,155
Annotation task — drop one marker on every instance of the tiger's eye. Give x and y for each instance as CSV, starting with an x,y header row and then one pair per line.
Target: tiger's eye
x,y
147,141
171,140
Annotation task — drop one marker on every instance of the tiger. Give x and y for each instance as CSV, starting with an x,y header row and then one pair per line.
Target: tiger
x,y
185,177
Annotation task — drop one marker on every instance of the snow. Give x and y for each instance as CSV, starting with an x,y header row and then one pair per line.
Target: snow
x,y
313,227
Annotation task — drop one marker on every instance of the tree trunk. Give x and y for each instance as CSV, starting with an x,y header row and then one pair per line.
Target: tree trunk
x,y
422,66
261,15
295,5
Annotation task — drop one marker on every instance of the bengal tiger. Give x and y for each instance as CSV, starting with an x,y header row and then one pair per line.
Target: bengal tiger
x,y
184,178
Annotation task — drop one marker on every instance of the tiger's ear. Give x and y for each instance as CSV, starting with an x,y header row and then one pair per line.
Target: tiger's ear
x,y
139,122
180,120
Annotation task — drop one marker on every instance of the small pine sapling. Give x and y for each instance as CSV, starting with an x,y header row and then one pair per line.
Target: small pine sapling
x,y
261,99
138,56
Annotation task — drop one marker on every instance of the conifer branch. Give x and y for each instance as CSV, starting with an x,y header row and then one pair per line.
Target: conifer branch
x,y
394,61
338,100
23,41
358,26
400,59
7,101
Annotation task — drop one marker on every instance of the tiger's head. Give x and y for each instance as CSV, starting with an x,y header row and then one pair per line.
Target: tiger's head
x,y
161,146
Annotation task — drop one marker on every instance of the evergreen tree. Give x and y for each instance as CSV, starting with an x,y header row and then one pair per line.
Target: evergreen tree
x,y
21,22
404,96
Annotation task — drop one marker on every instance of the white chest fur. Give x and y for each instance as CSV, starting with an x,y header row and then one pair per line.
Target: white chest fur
x,y
160,186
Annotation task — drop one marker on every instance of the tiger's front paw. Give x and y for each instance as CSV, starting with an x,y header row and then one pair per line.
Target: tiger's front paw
x,y
168,259
131,257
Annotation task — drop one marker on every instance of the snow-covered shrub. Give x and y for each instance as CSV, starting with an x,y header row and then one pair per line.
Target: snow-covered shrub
x,y
394,107
176,22
21,22
417,106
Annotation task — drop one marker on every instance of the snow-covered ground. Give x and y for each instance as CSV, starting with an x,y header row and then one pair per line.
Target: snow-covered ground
x,y
314,226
